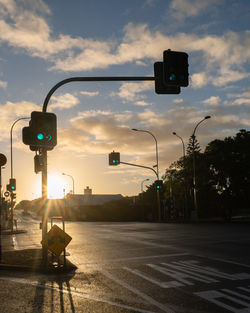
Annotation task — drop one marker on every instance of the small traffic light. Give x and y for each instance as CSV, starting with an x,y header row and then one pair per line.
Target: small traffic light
x,y
159,184
175,68
41,132
160,86
114,158
12,184
38,163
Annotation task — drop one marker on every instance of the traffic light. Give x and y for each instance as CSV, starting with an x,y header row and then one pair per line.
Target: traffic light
x,y
160,86
38,163
12,184
159,184
114,158
41,132
175,70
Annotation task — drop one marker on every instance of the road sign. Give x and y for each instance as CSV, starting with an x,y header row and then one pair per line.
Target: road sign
x,y
56,240
3,159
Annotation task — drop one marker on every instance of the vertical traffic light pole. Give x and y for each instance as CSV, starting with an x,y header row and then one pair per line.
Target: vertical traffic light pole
x,y
45,203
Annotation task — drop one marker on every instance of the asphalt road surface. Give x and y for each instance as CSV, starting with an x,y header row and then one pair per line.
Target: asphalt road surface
x,y
136,267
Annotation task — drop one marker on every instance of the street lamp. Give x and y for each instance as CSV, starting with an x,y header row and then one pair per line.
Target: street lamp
x,y
183,146
142,183
72,181
156,146
157,165
184,167
11,169
11,153
194,173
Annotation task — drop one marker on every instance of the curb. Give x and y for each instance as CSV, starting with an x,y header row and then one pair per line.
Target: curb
x,y
49,270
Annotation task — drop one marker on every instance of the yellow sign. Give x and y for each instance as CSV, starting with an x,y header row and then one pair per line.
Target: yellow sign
x,y
56,240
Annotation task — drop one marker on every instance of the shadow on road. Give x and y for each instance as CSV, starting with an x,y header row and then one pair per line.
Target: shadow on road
x,y
54,292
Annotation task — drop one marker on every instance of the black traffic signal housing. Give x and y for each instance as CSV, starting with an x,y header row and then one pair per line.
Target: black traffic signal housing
x,y
38,163
12,184
114,158
175,70
8,187
160,86
159,185
41,132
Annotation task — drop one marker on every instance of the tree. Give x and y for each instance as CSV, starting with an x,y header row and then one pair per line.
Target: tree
x,y
229,166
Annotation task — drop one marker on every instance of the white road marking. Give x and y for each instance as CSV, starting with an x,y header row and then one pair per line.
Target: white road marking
x,y
69,292
175,274
234,293
245,289
216,297
191,274
192,265
226,261
138,258
138,293
169,284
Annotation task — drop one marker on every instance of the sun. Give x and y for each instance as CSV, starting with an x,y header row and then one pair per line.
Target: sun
x,y
56,187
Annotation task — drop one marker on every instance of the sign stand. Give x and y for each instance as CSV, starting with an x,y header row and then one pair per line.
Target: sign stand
x,y
63,225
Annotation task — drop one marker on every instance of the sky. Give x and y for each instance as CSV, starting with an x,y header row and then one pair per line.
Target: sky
x,y
44,42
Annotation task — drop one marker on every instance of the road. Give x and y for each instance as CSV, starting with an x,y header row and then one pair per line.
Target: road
x,y
137,267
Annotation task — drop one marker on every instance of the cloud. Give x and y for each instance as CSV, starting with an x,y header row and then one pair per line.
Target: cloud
x,y
89,93
132,91
63,101
11,111
142,103
219,60
198,80
190,8
3,84
213,101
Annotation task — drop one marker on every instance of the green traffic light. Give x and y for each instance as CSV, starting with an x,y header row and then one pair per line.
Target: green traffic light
x,y
172,77
40,136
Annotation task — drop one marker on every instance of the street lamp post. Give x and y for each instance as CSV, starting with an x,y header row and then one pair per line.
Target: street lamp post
x,y
157,166
72,181
184,167
11,169
142,183
194,170
156,147
11,150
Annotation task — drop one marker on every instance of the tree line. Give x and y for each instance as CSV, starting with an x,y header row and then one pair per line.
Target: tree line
x,y
222,180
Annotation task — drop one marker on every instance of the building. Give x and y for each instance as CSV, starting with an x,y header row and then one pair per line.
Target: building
x,y
90,199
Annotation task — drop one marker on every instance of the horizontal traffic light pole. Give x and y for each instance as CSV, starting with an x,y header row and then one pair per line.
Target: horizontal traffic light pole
x,y
92,79
150,168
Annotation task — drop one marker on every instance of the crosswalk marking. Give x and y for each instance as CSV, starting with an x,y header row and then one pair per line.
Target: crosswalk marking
x,y
177,275
192,265
149,299
168,284
217,297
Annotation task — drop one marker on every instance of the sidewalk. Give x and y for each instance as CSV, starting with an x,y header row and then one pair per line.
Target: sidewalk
x,y
30,260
